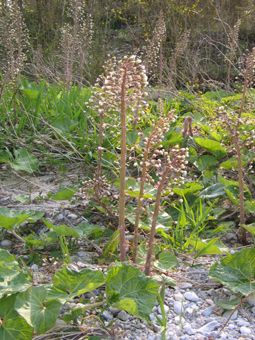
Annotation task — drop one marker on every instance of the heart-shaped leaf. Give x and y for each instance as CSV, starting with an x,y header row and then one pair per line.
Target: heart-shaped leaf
x,y
13,326
24,161
237,271
12,278
38,309
129,289
68,283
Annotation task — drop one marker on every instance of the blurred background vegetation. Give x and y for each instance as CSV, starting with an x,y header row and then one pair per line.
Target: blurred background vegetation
x,y
123,26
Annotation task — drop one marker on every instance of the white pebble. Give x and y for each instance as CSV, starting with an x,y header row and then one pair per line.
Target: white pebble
x,y
209,327
245,330
178,307
178,297
191,296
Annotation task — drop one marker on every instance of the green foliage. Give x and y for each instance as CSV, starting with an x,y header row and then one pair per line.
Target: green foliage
x,y
12,278
10,219
215,147
129,289
63,194
38,309
24,161
166,261
69,283
27,310
237,271
12,325
206,247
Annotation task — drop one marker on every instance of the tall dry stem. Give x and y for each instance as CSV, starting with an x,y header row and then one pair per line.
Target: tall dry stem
x,y
172,170
123,112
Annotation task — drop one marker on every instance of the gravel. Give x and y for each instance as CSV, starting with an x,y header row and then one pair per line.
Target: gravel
x,y
192,314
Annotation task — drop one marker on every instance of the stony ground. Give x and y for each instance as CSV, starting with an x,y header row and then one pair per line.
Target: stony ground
x,y
192,306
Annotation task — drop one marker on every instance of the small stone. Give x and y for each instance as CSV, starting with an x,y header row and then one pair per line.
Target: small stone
x,y
208,311
123,316
72,216
188,329
245,330
223,336
209,327
209,301
242,322
253,310
6,244
114,311
178,297
185,285
60,217
191,296
34,267
178,307
231,326
230,315
189,310
153,317
107,315
156,328
184,337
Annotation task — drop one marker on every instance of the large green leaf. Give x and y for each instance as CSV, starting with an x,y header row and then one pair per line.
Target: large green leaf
x,y
213,191
63,194
250,206
112,245
62,230
88,230
250,228
206,247
237,271
38,309
129,289
206,162
13,326
12,278
69,283
24,161
216,148
188,188
10,219
166,261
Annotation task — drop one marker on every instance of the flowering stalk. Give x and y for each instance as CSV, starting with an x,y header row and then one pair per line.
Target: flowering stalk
x,y
161,186
155,138
172,171
139,201
123,113
232,122
122,91
248,81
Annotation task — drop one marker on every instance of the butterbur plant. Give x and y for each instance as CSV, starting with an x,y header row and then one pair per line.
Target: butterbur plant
x,y
233,120
15,40
154,52
76,41
171,169
122,91
180,48
151,144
